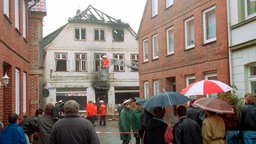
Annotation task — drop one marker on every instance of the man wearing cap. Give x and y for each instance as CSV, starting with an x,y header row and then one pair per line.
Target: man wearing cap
x,y
103,112
125,122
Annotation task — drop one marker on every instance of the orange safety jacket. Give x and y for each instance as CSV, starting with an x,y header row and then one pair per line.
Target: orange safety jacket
x,y
103,110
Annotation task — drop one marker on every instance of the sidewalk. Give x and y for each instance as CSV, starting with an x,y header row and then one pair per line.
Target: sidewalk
x,y
110,134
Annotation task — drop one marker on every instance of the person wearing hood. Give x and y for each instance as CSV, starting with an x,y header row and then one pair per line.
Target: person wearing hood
x,y
157,131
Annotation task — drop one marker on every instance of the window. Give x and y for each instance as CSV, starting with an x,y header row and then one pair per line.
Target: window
x,y
118,35
80,34
155,46
24,16
154,7
190,80
250,8
189,33
24,93
99,35
77,94
61,61
170,41
146,90
17,14
81,62
97,58
135,61
211,76
169,3
6,7
156,87
17,91
209,24
252,79
145,50
119,68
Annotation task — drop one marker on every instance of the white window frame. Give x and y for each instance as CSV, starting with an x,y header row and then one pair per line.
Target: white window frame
x,y
17,14
156,87
252,79
188,78
170,44
207,25
80,30
82,61
24,17
145,50
189,33
146,90
99,31
155,46
247,15
154,7
17,91
6,7
211,76
169,3
24,93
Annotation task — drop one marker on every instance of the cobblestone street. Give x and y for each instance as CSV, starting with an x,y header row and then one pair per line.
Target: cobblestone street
x,y
110,134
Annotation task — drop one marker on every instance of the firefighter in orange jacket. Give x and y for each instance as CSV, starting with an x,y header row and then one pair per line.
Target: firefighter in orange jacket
x,y
94,112
103,113
105,61
89,108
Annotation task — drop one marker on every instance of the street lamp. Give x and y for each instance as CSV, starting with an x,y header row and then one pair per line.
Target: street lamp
x,y
5,80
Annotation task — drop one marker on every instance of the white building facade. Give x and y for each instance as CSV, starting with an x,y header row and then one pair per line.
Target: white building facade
x,y
73,60
242,44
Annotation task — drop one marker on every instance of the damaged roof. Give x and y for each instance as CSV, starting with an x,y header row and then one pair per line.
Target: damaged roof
x,y
93,15
90,15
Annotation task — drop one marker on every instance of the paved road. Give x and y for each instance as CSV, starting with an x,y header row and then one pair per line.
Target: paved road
x,y
110,138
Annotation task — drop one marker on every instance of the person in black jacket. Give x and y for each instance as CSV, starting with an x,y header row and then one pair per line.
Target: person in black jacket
x,y
72,129
157,129
186,130
247,120
45,124
29,124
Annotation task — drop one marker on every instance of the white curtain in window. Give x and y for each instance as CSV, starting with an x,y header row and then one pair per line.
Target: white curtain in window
x,y
211,24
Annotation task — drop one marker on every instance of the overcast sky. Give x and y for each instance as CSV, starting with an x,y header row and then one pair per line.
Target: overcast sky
x,y
58,11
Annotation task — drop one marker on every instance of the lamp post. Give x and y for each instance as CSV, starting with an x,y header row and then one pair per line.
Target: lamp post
x,y
5,80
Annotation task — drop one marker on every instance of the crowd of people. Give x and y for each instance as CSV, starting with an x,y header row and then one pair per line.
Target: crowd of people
x,y
194,125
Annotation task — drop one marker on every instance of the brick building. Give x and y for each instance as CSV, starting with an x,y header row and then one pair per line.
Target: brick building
x,y
181,42
20,30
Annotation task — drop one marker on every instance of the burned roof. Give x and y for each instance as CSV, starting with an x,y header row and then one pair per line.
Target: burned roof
x,y
93,15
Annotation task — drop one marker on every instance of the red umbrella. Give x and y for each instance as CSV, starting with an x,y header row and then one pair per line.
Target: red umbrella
x,y
204,87
213,104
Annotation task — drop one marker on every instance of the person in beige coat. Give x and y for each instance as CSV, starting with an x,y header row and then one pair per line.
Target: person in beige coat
x,y
213,129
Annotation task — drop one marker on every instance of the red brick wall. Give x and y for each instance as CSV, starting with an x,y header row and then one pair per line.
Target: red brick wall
x,y
204,58
19,53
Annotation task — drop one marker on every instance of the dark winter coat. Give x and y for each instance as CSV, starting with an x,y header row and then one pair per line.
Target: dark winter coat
x,y
45,124
29,125
73,129
154,132
247,117
187,131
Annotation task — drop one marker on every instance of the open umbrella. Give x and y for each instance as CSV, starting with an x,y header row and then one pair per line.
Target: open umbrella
x,y
204,87
213,104
140,100
165,99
